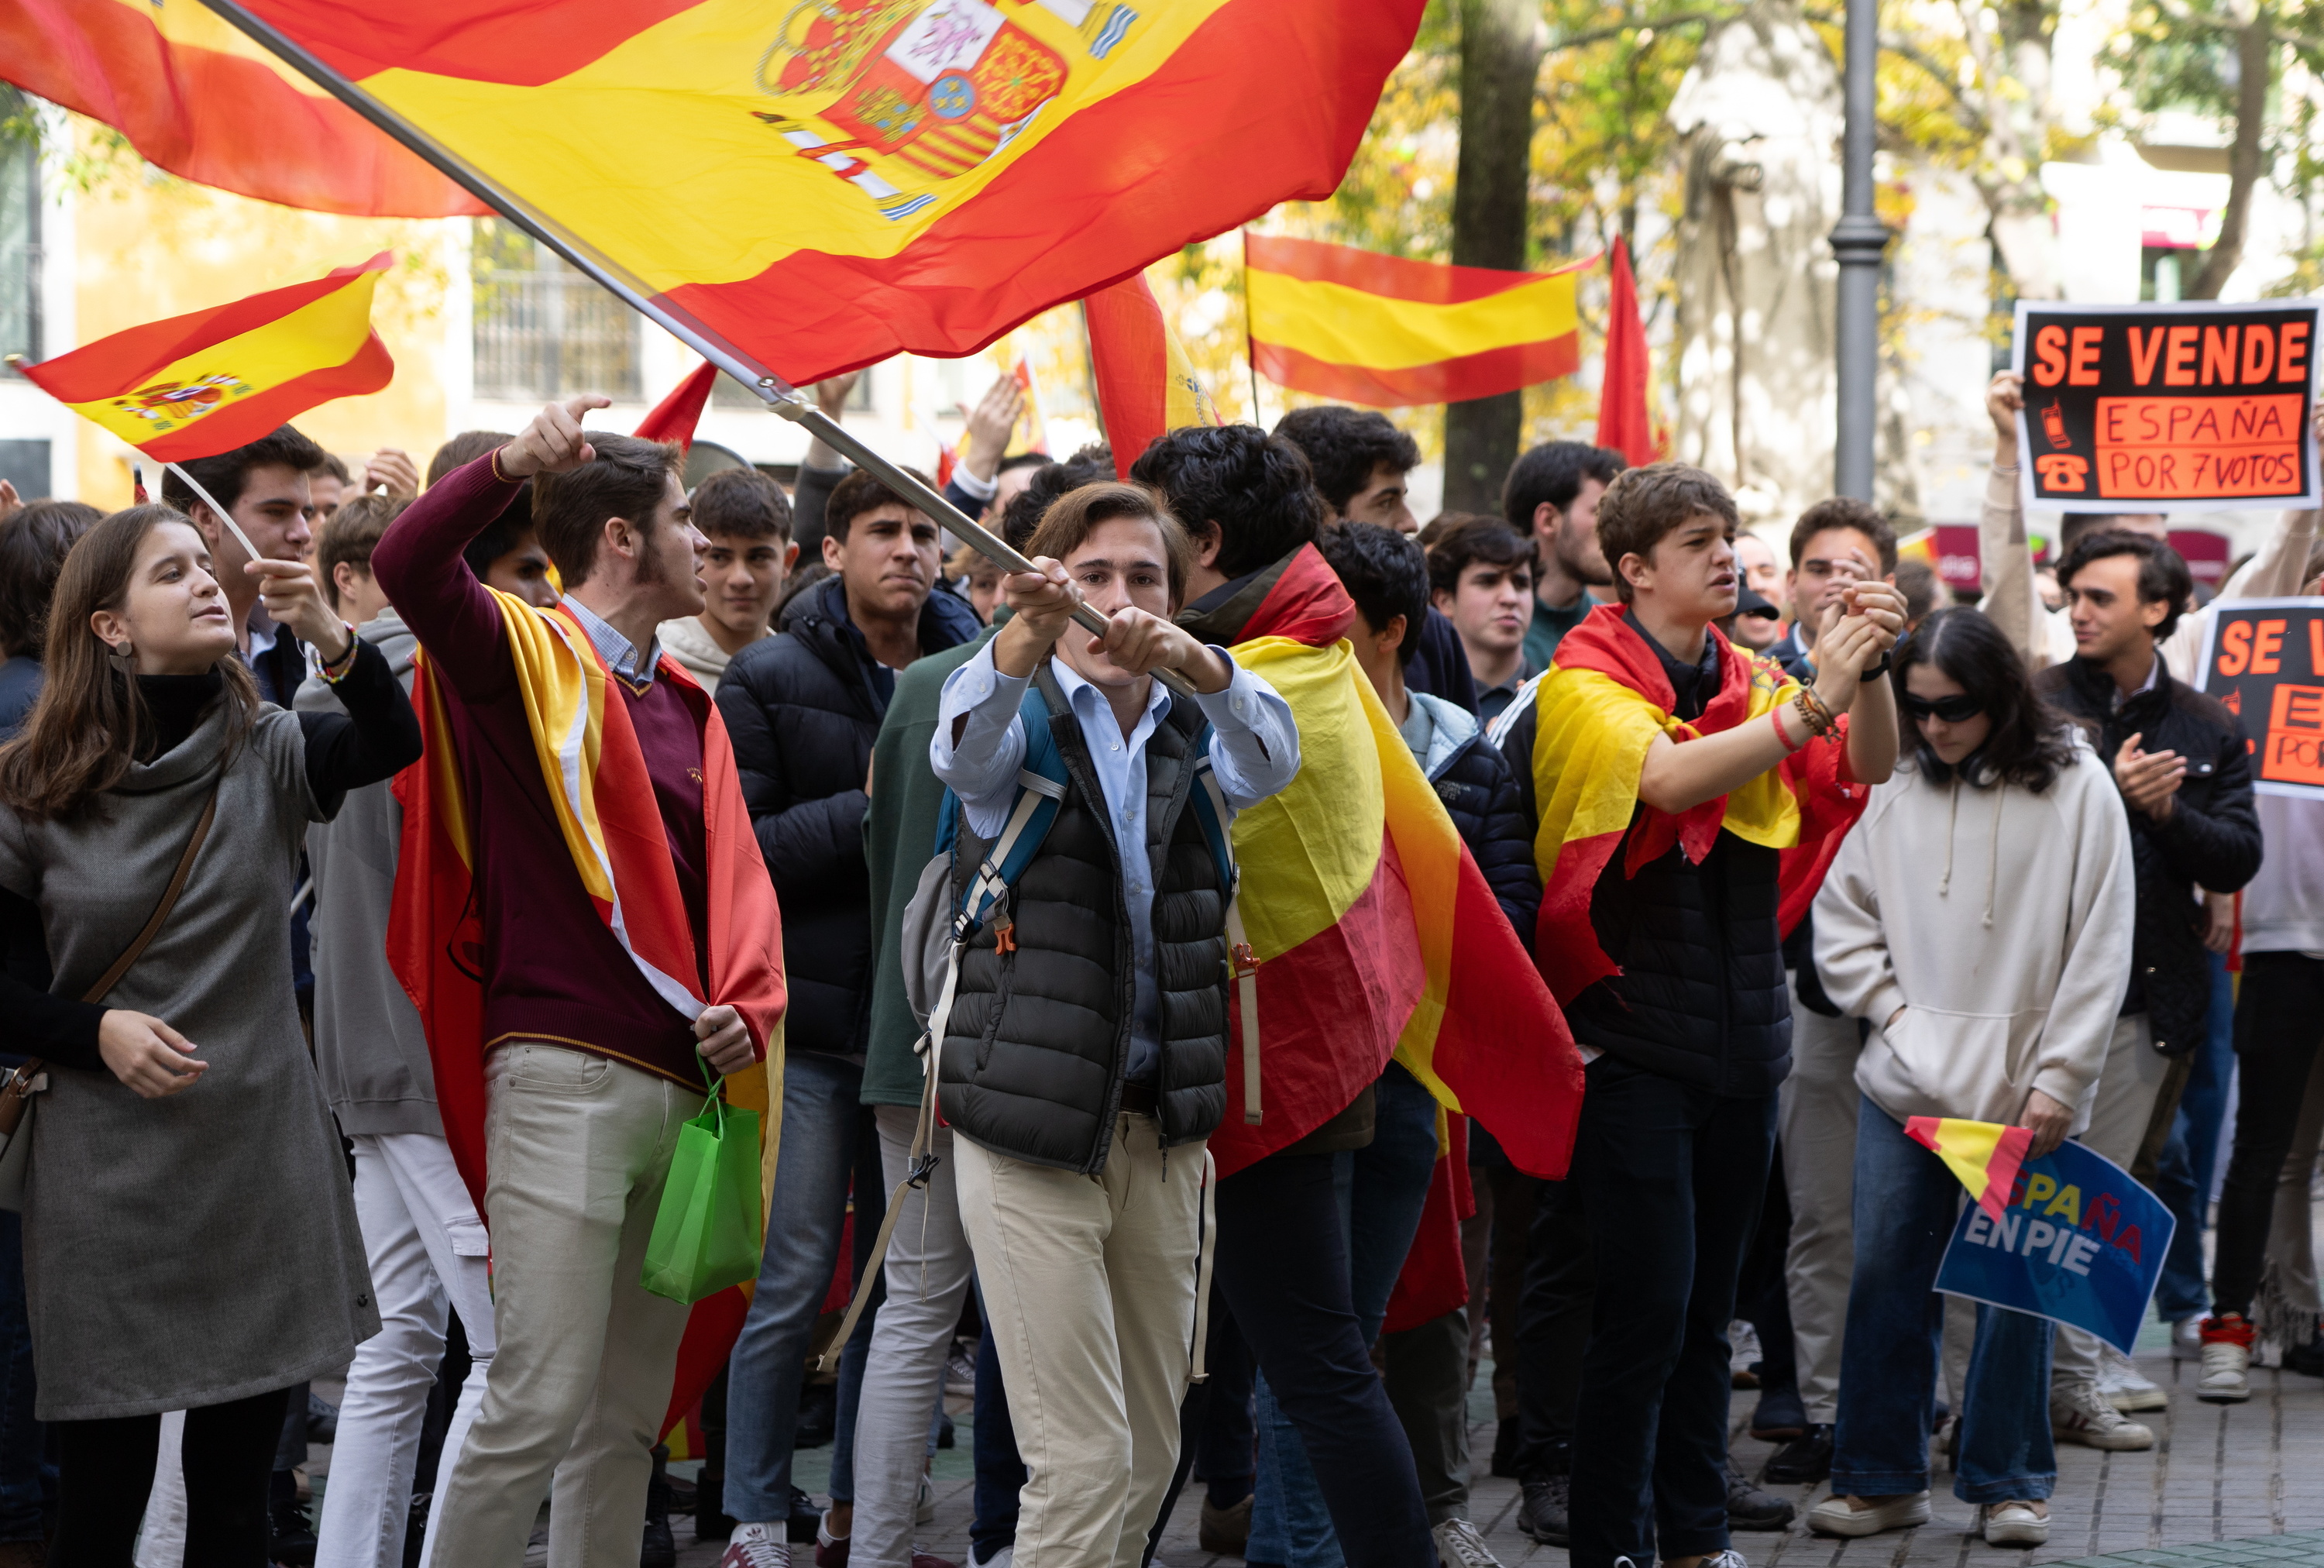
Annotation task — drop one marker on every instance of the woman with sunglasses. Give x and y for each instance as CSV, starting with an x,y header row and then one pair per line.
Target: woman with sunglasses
x,y
1978,918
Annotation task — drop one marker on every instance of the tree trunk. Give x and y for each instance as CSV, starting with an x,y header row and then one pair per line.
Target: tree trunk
x,y
1502,43
2254,54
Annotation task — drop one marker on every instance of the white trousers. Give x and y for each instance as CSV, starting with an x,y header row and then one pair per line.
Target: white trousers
x,y
427,1257
2127,1085
162,1538
929,1270
1089,1282
580,1149
1816,1109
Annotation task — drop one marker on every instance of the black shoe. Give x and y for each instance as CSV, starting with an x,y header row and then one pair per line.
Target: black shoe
x,y
1779,1416
1748,1508
710,1520
1508,1443
1803,1461
818,1415
415,1528
944,1435
290,1534
659,1549
1544,1513
803,1519
2308,1358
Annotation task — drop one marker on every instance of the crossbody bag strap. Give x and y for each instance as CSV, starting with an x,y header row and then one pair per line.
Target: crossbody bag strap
x,y
136,949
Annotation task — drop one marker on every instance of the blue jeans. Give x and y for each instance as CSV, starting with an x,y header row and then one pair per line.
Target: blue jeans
x,y
1382,1189
1907,1204
2182,1174
28,1482
823,1129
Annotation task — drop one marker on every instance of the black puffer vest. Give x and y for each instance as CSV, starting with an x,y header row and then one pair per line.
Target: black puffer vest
x,y
1038,1039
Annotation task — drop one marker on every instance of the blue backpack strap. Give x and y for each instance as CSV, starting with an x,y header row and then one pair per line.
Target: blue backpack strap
x,y
1041,784
1213,814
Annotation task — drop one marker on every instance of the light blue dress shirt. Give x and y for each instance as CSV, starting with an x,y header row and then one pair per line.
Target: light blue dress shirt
x,y
1254,753
620,654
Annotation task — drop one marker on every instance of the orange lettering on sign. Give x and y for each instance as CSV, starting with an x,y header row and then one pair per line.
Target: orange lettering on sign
x,y
2143,353
2220,355
2259,353
2316,647
2050,355
2183,448
2083,370
2267,644
2235,648
2294,365
2295,736
2178,360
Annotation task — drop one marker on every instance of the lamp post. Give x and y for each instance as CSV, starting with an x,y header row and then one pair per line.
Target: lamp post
x,y
1858,242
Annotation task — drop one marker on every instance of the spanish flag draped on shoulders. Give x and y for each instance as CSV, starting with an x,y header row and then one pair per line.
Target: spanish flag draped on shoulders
x,y
1594,713
577,867
1368,931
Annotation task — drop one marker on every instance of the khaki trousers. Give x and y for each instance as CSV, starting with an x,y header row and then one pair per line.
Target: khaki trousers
x,y
1089,1286
2129,1086
579,1147
1815,1127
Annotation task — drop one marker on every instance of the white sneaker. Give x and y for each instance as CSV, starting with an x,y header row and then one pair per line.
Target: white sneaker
x,y
2080,1413
924,1512
2227,1372
2187,1340
1833,1517
1004,1558
1458,1545
2124,1386
2014,1523
756,1545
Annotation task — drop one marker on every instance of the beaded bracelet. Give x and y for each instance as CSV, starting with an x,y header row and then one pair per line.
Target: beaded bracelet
x,y
344,666
1813,712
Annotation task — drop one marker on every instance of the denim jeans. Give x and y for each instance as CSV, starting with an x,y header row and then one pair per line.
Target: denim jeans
x,y
28,1484
823,1129
2182,1176
999,1473
1906,1203
1382,1189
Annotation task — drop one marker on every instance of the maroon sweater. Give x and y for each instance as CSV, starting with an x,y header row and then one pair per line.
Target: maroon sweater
x,y
553,970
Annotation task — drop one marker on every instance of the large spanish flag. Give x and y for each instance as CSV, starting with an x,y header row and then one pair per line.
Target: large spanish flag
x,y
197,97
209,380
1374,933
1369,328
816,186
1145,385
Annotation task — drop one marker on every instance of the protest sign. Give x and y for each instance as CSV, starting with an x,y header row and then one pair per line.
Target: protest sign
x,y
2163,407
2079,1242
2265,659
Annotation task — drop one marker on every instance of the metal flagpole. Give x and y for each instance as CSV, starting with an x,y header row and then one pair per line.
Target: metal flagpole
x,y
1858,241
781,396
220,512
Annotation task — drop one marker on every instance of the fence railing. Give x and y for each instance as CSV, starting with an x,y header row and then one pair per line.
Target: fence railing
x,y
542,335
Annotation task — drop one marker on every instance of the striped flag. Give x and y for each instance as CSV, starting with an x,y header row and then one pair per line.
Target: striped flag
x,y
195,97
209,380
1984,1155
1367,328
816,187
1145,385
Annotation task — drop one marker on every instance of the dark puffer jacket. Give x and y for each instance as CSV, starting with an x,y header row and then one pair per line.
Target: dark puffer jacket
x,y
1038,1039
2211,840
803,709
1473,781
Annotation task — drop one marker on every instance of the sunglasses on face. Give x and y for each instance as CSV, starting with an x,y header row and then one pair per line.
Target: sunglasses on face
x,y
1953,710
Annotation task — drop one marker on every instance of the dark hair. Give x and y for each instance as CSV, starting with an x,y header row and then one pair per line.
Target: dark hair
x,y
225,475
1386,575
2030,743
33,542
1023,514
1018,460
627,479
1552,475
350,537
331,466
1346,446
2162,574
741,503
797,582
1846,511
859,493
1644,504
464,449
1074,516
1472,537
1255,488
2075,524
1919,583
85,729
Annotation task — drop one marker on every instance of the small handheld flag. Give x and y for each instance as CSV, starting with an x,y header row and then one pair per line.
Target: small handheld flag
x,y
674,418
1984,1155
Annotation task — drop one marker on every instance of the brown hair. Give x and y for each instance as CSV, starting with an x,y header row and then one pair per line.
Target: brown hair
x,y
84,731
1643,505
1846,511
34,543
1074,516
350,535
859,493
464,449
741,503
627,479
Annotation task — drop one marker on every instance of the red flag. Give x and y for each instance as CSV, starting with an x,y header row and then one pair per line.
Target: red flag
x,y
674,418
1146,386
1622,420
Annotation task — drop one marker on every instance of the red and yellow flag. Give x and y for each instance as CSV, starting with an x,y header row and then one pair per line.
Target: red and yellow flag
x,y
1379,937
197,97
1624,422
1369,328
207,381
819,186
674,418
1984,1155
1145,385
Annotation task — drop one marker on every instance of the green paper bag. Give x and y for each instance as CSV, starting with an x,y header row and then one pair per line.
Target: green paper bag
x,y
709,1232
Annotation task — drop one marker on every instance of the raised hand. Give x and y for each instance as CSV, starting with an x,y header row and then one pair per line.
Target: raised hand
x,y
554,443
990,425
394,469
2005,399
292,596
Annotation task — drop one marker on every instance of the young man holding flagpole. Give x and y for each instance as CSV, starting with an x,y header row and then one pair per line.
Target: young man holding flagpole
x,y
578,837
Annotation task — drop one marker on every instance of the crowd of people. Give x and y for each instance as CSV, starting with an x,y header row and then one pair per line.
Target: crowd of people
x,y
454,839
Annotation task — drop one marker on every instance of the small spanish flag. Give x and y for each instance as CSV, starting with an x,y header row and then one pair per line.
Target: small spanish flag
x,y
1369,328
1984,1155
206,383
1145,385
674,418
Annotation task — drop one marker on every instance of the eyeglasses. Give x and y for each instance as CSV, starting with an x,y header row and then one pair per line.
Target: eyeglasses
x,y
1953,710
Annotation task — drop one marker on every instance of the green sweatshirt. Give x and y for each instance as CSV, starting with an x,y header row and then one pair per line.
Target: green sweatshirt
x,y
900,834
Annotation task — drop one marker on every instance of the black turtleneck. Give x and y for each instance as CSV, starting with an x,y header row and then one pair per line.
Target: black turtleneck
x,y
176,704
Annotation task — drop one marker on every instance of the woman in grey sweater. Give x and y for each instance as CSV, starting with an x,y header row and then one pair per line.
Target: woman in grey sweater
x,y
189,1243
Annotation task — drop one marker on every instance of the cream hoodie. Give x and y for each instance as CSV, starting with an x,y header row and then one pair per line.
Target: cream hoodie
x,y
2001,920
687,641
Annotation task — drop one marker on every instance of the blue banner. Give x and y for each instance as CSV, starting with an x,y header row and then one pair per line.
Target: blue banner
x,y
2081,1243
